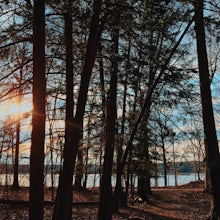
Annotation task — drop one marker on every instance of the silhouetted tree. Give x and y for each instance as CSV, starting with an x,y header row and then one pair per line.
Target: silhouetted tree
x,y
106,196
63,206
211,141
38,119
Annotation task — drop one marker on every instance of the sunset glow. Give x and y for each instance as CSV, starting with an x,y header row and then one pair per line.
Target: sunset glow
x,y
13,109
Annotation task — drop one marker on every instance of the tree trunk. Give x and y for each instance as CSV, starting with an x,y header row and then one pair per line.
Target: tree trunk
x,y
104,112
65,209
79,170
144,188
106,195
118,193
174,165
87,150
18,127
16,163
36,194
208,187
63,204
213,156
164,153
164,163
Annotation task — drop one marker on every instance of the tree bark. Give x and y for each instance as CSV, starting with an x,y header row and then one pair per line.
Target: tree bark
x,y
211,141
36,193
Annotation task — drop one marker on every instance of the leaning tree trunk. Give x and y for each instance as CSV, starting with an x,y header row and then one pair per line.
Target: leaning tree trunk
x,y
63,204
36,194
213,156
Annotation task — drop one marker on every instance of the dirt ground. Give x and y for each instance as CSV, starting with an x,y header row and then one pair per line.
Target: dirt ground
x,y
181,203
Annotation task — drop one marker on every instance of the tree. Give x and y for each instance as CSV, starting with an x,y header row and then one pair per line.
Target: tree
x,y
163,134
69,105
118,195
36,197
63,205
18,127
211,141
157,74
106,196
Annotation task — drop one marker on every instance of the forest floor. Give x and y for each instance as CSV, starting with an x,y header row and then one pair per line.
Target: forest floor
x,y
181,203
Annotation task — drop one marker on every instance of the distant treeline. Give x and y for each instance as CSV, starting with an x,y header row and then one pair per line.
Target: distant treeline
x,y
183,167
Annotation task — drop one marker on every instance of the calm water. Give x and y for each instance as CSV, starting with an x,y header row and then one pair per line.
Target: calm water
x,y
181,179
94,180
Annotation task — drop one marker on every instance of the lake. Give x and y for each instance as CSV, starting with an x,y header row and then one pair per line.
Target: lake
x,y
94,180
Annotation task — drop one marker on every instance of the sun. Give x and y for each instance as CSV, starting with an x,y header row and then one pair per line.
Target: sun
x,y
23,108
14,109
